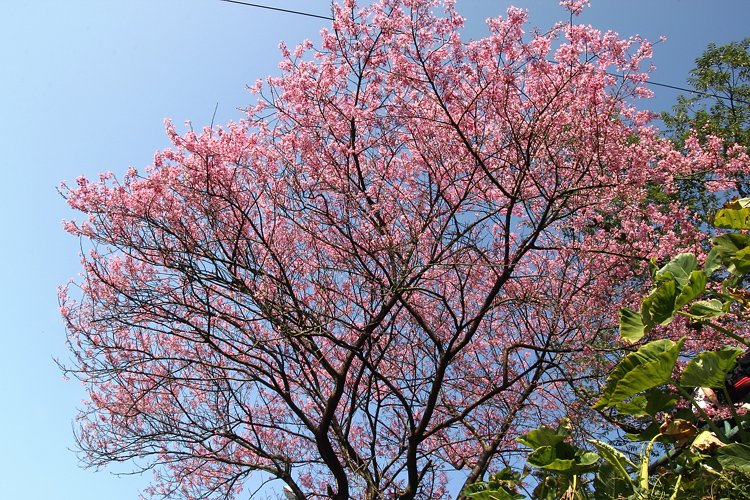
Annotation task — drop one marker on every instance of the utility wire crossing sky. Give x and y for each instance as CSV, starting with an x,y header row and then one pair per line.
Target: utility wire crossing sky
x,y
649,82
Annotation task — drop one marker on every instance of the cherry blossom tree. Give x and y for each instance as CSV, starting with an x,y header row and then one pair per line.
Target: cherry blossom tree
x,y
410,251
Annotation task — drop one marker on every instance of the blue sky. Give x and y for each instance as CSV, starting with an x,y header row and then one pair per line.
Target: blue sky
x,y
85,87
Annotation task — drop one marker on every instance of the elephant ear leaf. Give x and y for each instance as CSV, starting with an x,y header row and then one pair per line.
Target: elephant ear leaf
x,y
658,308
733,250
679,269
632,328
707,309
544,436
650,366
734,215
735,456
709,369
694,288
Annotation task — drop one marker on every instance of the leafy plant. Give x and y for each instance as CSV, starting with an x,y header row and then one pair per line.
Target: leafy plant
x,y
701,455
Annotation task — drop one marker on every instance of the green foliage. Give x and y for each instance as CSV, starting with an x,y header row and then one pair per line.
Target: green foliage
x,y
676,284
734,215
559,463
502,485
720,108
702,458
648,367
722,75
709,369
735,456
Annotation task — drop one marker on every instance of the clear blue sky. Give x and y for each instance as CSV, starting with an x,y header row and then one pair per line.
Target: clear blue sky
x,y
84,87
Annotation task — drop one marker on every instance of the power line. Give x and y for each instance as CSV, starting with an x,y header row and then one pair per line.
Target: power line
x,y
683,89
648,82
288,11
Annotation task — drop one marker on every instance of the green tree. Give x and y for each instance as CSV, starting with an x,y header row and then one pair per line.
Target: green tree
x,y
719,107
721,104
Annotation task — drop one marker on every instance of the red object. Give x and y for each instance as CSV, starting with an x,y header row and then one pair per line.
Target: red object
x,y
739,389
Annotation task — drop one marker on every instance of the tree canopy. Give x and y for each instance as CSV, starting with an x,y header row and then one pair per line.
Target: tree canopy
x,y
409,252
721,105
719,110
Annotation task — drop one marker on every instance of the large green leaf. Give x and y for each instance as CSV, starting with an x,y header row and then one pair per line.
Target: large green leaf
x,y
741,262
544,436
679,268
713,262
695,286
562,458
731,218
545,457
732,250
658,307
709,369
735,456
658,401
619,462
635,406
490,493
651,402
499,493
632,328
734,215
587,460
707,309
501,486
728,244
648,367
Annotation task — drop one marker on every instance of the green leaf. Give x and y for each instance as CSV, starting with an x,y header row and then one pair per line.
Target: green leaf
x,y
735,456
709,369
501,486
659,400
707,309
544,436
733,218
741,262
492,494
635,406
695,286
608,484
735,214
563,458
679,268
588,459
648,403
631,325
615,458
727,247
648,367
545,457
713,262
658,307
728,244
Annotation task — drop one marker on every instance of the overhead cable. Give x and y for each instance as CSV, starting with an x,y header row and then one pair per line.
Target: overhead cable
x,y
648,82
